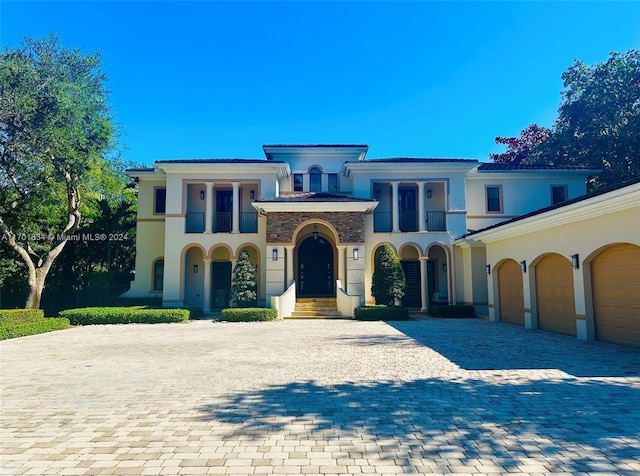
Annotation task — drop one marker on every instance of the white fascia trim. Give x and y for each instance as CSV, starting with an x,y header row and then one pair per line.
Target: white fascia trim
x,y
614,201
280,169
267,207
392,168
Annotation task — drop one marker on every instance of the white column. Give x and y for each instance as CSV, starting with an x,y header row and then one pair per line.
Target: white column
x,y
341,265
206,292
208,210
289,258
424,285
235,219
421,217
394,207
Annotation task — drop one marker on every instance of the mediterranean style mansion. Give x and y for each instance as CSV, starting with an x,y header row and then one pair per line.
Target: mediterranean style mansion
x,y
521,243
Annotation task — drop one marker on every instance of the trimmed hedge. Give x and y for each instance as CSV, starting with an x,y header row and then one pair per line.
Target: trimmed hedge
x,y
249,314
12,317
455,311
37,327
124,315
381,313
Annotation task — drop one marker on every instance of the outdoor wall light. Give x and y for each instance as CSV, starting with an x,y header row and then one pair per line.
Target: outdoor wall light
x,y
523,266
201,194
315,232
488,268
444,267
429,193
195,269
252,194
274,254
356,254
575,261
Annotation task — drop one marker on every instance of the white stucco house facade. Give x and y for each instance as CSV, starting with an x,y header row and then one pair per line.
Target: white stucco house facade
x,y
313,216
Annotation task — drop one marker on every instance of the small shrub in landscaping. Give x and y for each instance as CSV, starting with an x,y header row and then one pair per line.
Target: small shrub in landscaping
x,y
9,317
248,314
124,315
36,327
381,313
457,310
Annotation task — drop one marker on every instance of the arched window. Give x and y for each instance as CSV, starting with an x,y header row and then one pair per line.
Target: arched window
x,y
158,275
315,180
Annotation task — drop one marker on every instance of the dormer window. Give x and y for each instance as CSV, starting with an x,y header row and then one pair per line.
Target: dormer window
x,y
315,179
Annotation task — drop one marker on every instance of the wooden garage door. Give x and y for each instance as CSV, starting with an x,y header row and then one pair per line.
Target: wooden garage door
x,y
510,293
554,290
615,277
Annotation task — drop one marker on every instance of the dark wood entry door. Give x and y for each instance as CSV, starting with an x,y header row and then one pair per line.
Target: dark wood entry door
x,y
411,296
315,268
220,284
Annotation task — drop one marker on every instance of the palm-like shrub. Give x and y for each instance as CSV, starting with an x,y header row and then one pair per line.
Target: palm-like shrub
x,y
388,282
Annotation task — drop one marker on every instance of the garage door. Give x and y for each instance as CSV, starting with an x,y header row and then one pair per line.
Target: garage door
x,y
554,291
615,277
511,296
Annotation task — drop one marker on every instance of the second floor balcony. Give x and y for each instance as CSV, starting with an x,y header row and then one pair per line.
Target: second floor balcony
x,y
409,221
222,222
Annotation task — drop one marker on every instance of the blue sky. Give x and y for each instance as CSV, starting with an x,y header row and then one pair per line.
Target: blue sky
x,y
415,79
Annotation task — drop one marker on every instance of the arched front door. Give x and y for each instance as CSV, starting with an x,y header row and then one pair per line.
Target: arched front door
x,y
315,268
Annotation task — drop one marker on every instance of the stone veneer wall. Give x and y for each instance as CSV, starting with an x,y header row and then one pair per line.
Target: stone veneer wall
x,y
281,225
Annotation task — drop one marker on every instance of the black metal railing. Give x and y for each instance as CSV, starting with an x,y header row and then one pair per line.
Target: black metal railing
x,y
194,222
408,221
222,222
249,222
382,222
436,221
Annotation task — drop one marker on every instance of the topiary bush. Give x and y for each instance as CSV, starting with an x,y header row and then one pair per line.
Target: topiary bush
x,y
388,281
455,311
249,314
9,317
243,282
381,313
124,315
35,327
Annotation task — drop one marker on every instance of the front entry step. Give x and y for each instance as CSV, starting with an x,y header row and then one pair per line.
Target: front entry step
x,y
316,308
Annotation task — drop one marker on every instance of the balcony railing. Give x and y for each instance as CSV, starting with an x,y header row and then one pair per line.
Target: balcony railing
x,y
436,221
194,222
222,222
408,221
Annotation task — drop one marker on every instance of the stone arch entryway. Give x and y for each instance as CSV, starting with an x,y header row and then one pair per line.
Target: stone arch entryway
x,y
315,270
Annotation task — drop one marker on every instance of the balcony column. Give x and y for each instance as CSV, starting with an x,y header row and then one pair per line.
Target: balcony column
x,y
208,210
424,285
206,292
394,207
421,217
235,217
289,260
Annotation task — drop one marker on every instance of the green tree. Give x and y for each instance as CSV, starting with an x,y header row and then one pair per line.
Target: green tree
x,y
598,120
54,130
243,281
388,282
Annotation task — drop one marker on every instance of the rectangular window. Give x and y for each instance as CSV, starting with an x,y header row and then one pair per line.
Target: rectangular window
x,y
333,183
558,194
297,182
160,201
494,199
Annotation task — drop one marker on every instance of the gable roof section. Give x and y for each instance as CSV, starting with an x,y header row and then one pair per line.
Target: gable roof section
x,y
553,209
314,197
315,202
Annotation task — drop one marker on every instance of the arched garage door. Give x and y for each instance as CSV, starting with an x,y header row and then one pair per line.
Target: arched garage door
x,y
510,293
554,291
615,277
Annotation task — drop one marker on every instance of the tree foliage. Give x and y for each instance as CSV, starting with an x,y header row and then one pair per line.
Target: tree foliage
x,y
519,149
243,281
54,130
388,281
598,121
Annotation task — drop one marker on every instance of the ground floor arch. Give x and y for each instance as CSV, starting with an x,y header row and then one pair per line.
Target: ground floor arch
x,y
316,274
510,292
555,301
615,281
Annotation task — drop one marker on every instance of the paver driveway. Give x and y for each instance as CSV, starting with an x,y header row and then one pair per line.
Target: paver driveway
x,y
318,397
